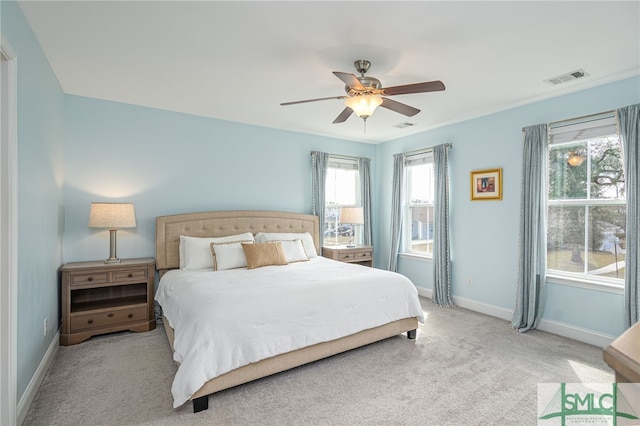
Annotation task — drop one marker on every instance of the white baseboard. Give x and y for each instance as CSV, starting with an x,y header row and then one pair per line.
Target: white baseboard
x,y
32,388
550,326
425,292
576,333
483,308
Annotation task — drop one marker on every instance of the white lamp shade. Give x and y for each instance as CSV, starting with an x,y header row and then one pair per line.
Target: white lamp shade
x,y
112,215
363,105
352,215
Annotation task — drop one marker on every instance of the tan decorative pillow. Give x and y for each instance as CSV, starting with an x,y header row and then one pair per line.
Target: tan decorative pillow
x,y
264,255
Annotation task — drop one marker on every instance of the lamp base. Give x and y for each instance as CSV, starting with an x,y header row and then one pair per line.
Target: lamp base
x,y
351,243
112,247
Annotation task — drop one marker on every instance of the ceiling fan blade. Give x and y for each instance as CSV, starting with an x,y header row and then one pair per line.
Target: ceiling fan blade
x,y
312,100
399,107
429,86
346,113
350,80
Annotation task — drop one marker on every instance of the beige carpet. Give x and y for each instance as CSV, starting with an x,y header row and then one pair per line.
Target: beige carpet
x,y
464,368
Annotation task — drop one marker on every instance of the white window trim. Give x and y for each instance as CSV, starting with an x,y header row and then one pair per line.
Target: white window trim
x,y
340,162
600,284
413,158
416,256
604,120
418,157
345,163
593,202
568,132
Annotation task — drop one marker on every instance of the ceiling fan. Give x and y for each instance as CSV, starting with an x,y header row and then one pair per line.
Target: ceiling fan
x,y
365,94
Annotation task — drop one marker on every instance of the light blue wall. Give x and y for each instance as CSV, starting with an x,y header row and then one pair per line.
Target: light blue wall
x,y
484,234
40,180
169,163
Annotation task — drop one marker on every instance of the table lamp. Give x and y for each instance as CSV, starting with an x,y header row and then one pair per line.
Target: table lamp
x,y
352,216
112,216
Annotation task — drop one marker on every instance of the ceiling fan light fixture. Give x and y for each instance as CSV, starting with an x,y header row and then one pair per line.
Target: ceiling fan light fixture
x,y
363,105
575,159
365,94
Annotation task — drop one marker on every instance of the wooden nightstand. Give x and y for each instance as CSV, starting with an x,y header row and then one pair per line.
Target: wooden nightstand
x,y
362,255
99,298
623,355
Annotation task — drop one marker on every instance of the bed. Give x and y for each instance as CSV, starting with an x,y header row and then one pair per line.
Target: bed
x,y
236,297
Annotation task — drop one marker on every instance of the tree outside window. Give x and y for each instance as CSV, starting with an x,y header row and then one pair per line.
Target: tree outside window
x,y
586,222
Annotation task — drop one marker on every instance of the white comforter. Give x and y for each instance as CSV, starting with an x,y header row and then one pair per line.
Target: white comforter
x,y
224,320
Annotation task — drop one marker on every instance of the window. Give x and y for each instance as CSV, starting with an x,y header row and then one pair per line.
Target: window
x,y
342,189
417,228
586,220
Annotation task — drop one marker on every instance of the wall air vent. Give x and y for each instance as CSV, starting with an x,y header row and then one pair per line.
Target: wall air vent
x,y
570,76
404,125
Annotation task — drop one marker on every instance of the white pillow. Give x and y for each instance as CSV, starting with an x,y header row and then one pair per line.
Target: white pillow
x,y
293,251
307,239
195,252
228,255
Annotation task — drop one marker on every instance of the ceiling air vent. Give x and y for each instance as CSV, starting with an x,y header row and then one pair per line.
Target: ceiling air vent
x,y
404,125
574,75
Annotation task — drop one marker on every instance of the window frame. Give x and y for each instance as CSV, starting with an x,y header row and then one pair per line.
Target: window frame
x,y
414,159
582,279
337,162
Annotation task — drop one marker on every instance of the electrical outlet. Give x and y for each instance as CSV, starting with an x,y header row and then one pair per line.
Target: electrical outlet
x,y
469,284
45,327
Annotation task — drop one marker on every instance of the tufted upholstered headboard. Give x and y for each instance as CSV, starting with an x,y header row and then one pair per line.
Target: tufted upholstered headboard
x,y
223,223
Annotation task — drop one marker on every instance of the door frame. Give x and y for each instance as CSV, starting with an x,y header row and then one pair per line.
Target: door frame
x,y
8,233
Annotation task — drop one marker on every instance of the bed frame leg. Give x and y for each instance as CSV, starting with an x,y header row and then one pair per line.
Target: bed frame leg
x,y
201,404
411,334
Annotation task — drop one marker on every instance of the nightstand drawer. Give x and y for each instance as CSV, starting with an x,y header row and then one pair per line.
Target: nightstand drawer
x,y
130,275
362,255
102,319
354,255
89,278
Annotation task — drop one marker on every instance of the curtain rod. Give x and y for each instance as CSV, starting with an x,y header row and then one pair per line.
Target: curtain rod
x,y
344,157
553,123
417,151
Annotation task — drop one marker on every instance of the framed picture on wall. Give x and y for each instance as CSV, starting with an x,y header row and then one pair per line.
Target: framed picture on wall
x,y
486,184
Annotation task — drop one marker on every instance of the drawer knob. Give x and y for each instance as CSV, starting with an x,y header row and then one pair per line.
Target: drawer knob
x,y
130,275
90,321
110,315
90,279
130,315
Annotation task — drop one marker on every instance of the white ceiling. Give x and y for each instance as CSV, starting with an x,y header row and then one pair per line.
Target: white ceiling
x,y
239,60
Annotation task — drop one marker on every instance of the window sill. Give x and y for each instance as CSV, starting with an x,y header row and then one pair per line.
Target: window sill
x,y
413,256
607,287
